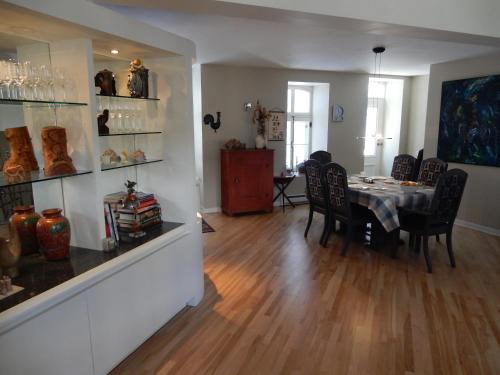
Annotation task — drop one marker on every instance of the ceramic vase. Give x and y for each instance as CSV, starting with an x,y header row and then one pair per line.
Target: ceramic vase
x,y
10,250
54,234
260,141
24,220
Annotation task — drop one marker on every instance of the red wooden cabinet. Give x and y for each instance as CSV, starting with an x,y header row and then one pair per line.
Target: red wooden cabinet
x,y
246,181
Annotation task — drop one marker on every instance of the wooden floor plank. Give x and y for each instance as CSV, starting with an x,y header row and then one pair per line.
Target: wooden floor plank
x,y
276,303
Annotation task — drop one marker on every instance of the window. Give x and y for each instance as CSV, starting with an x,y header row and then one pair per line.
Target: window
x,y
298,125
374,116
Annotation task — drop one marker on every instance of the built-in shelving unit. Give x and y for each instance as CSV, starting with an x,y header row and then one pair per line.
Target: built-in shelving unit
x,y
33,177
40,103
108,167
161,272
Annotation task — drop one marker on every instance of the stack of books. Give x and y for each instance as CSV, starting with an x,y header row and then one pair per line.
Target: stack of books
x,y
145,215
124,221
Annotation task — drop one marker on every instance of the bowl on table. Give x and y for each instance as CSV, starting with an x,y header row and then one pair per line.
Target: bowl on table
x,y
409,186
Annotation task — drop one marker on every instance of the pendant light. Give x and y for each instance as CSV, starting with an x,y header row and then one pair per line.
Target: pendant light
x,y
378,51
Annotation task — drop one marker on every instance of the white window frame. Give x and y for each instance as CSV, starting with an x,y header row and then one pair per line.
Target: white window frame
x,y
300,116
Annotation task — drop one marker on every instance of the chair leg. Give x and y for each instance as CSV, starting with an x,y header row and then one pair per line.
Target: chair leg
x,y
347,241
411,241
309,221
450,249
326,231
437,238
427,255
418,241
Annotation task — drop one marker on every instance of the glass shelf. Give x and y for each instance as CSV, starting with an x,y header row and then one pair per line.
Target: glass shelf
x,y
39,103
125,97
131,133
36,176
107,167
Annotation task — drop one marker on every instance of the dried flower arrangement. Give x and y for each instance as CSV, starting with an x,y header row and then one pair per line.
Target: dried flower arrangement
x,y
260,115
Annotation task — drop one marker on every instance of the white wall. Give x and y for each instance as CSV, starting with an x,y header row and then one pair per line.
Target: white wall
x,y
418,114
480,203
226,88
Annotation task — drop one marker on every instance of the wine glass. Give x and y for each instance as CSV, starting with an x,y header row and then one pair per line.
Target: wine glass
x,y
47,82
13,72
4,79
59,79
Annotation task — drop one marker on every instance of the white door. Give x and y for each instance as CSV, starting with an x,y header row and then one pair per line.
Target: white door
x,y
374,136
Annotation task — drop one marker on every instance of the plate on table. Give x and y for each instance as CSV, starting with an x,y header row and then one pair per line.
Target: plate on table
x,y
381,178
391,182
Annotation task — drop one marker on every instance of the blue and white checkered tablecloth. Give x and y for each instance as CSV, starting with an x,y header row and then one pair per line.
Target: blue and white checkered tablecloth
x,y
383,197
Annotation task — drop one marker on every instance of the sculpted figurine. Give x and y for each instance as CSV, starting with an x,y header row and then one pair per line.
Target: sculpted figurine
x,y
55,152
101,122
105,79
110,157
22,157
138,79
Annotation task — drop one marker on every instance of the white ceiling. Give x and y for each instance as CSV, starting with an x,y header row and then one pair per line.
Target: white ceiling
x,y
252,36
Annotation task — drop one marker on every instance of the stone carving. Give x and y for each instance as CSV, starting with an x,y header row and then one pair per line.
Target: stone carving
x,y
101,122
138,79
105,79
22,157
55,152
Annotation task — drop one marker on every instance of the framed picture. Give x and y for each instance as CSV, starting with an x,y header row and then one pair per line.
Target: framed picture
x,y
469,122
337,113
276,126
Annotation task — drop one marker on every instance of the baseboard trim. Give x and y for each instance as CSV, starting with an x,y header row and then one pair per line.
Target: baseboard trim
x,y
479,228
212,210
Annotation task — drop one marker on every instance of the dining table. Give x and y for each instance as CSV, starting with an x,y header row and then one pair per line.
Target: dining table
x,y
385,195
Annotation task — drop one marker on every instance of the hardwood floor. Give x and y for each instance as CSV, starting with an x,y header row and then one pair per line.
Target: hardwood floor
x,y
276,303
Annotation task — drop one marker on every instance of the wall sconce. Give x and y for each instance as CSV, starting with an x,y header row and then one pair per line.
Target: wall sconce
x,y
208,119
247,106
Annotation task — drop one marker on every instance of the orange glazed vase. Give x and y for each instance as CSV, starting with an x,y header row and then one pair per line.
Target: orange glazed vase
x,y
53,233
24,220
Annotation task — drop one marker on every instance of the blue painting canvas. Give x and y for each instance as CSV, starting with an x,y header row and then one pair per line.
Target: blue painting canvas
x,y
469,124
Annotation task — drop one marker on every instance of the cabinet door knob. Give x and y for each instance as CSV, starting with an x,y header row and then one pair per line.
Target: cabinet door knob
x,y
236,180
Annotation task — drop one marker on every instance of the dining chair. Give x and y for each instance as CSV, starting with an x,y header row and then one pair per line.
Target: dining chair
x,y
339,204
322,156
430,171
418,163
440,216
315,194
402,167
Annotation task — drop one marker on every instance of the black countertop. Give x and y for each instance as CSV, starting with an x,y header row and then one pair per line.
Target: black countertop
x,y
36,275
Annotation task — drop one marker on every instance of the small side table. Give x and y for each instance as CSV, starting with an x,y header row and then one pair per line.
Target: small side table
x,y
281,183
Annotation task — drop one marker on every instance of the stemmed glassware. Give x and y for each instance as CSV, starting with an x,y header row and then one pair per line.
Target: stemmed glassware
x,y
24,80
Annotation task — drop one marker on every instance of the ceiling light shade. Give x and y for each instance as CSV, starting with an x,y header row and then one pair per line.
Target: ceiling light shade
x,y
114,51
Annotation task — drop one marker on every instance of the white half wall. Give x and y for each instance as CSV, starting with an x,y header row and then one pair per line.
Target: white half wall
x,y
480,203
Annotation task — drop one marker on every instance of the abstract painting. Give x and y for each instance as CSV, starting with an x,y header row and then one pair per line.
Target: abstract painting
x,y
469,124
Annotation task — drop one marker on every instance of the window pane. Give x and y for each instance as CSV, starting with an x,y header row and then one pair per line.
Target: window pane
x,y
288,132
301,132
302,101
301,153
371,131
376,89
289,101
288,156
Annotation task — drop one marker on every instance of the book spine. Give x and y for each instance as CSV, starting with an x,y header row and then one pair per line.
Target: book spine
x,y
114,224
